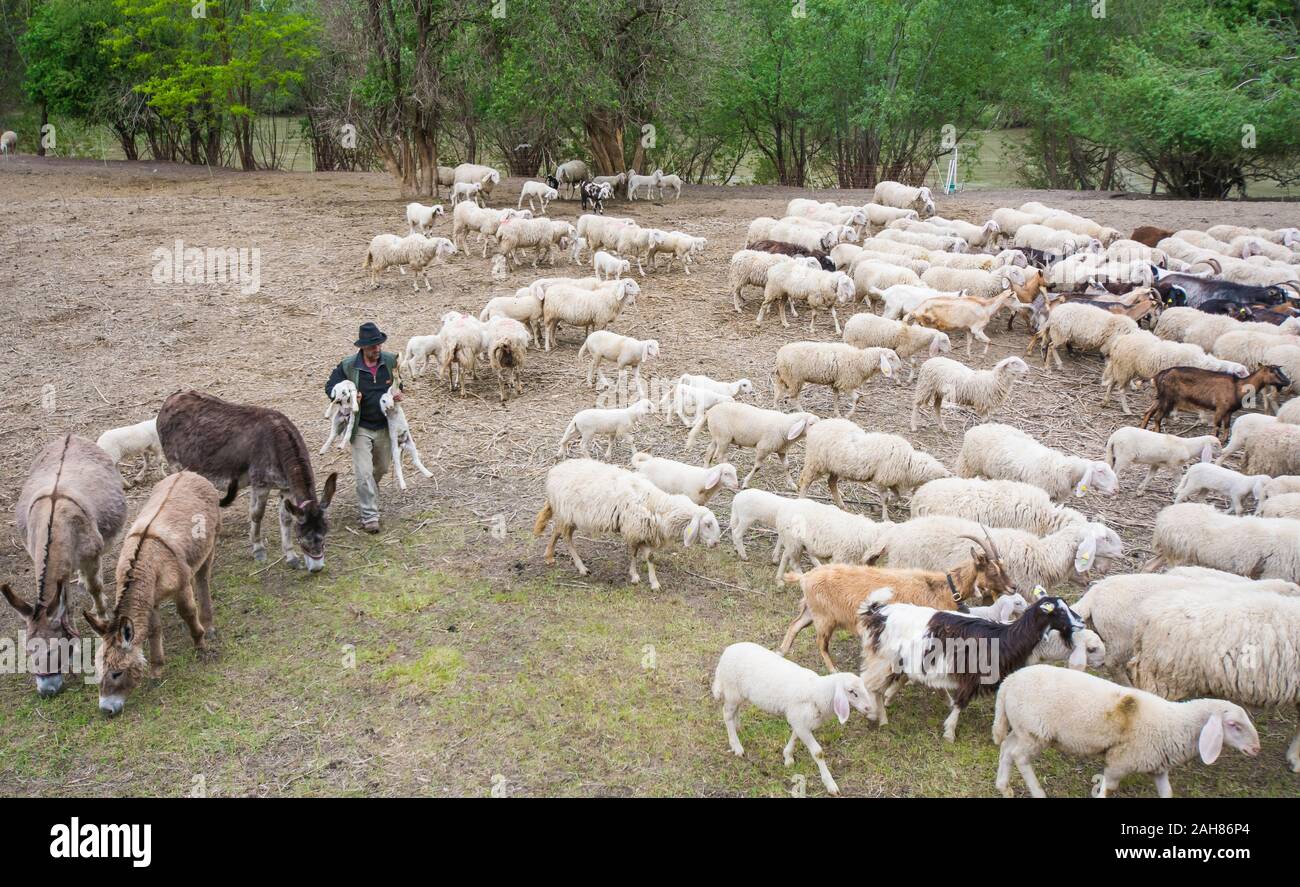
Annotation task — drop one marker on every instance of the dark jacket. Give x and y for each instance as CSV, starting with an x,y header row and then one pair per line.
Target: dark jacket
x,y
370,388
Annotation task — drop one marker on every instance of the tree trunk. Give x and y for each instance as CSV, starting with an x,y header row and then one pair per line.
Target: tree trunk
x,y
605,136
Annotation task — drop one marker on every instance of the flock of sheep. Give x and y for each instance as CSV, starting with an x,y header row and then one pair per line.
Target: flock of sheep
x,y
981,541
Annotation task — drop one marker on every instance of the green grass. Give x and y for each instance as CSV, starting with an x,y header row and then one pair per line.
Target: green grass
x,y
419,663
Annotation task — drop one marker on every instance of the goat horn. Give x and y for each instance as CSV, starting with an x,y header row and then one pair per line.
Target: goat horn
x,y
987,546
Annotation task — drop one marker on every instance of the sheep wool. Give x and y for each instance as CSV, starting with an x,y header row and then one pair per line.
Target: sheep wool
x,y
840,450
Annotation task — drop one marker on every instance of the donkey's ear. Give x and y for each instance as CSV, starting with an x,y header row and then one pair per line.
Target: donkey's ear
x,y
99,625
327,492
24,609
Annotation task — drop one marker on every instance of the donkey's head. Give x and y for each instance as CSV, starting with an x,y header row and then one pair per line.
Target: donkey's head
x,y
51,637
310,524
119,662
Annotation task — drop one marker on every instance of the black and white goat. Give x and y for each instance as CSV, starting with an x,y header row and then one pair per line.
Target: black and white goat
x,y
595,193
954,652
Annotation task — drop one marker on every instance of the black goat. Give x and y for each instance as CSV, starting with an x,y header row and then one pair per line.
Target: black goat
x,y
1191,290
792,249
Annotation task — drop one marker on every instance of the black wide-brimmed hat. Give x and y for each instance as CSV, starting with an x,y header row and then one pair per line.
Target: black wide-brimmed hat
x,y
370,335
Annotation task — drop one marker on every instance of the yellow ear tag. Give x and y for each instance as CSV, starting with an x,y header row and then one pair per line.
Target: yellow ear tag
x,y
1039,591
1049,607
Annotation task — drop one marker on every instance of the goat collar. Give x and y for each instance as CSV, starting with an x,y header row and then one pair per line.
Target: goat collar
x,y
952,587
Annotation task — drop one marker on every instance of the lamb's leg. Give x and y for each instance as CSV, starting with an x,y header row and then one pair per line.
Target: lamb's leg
x,y
729,709
835,402
836,319
1293,750
739,526
805,735
753,471
1163,789
833,482
1147,480
591,372
1003,780
257,497
1024,758
632,575
395,454
573,552
144,469
291,557
915,403
408,444
787,754
938,412
650,570
789,478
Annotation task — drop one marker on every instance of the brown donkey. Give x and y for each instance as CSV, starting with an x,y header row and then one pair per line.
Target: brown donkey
x,y
167,555
230,444
69,512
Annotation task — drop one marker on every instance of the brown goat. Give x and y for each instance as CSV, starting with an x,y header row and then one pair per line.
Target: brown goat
x,y
69,512
1199,391
833,593
1149,236
167,555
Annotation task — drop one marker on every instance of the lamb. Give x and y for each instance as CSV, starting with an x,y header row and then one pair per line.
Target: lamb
x,y
462,191
679,247
140,439
970,313
1011,221
616,183
163,558
842,367
399,437
1202,478
1084,327
820,289
900,642
1072,554
1286,505
1137,732
695,483
898,195
1273,450
1007,608
636,182
881,216
594,498
833,593
622,351
539,191
1199,535
903,251
755,507
824,532
975,235
462,339
586,308
731,389
682,399
999,451
1084,227
670,181
750,673
942,379
9,142
1140,355
1253,246
601,232
750,267
609,267
415,356
487,177
614,423
446,176
420,216
1137,446
526,309
637,242
1290,412
839,450
467,217
767,432
506,341
342,413
541,235
905,340
996,503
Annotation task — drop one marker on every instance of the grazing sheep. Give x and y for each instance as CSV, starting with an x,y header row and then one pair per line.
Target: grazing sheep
x,y
462,339
833,593
540,235
1203,478
1084,227
487,177
906,340
679,247
1046,239
609,267
731,389
1137,732
996,503
1011,221
571,174
420,216
1279,486
1200,535
931,242
824,532
591,309
1273,450
755,507
844,368
768,432
538,191
750,673
898,195
942,379
1071,554
1137,446
622,351
972,281
601,232
687,403
1000,452
506,356
140,439
839,450
750,267
872,276
594,498
695,483
615,423
795,282
880,216
1286,505
1140,355
765,228
1082,326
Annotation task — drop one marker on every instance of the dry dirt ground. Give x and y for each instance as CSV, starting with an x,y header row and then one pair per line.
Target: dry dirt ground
x,y
443,656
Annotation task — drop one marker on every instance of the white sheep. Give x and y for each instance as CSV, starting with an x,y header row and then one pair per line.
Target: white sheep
x,y
486,177
400,439
973,281
839,450
615,423
601,232
1137,732
750,267
345,406
753,507
1286,505
414,251
622,351
527,309
1012,220
594,498
415,355
867,330
997,451
462,191
995,503
881,216
635,242
695,483
1138,446
539,191
540,235
9,142
688,403
462,339
902,196
825,533
845,368
734,388
943,380
1140,355
571,174
1006,608
1273,450
873,276
467,217
507,342
790,231
609,267
795,282
930,242
750,673
1279,486
1083,327
768,432
1243,427
1234,486
1084,227
1072,554
636,182
1046,239
1200,535
586,308
679,247
420,216
140,439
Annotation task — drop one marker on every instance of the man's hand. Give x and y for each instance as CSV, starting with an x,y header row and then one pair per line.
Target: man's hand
x,y
397,397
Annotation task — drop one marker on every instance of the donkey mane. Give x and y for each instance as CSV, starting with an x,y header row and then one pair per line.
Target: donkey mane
x,y
140,539
52,498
